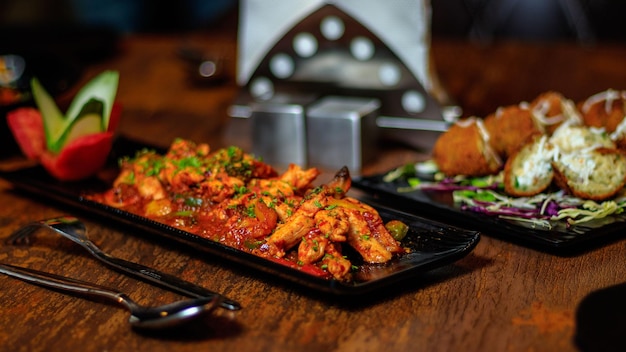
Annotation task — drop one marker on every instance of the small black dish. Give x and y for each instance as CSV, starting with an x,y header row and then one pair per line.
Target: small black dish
x,y
439,205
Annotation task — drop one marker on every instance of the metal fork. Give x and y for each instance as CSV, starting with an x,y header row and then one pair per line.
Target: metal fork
x,y
72,228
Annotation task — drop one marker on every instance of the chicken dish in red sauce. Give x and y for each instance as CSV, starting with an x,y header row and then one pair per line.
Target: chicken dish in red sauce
x,y
233,198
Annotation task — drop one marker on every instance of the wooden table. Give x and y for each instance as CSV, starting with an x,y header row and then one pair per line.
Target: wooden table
x,y
501,297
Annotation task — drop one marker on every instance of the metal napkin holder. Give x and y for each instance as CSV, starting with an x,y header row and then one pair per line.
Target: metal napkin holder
x,y
323,82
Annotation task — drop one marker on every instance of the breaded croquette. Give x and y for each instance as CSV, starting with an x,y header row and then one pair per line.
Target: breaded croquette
x,y
549,141
568,138
464,149
606,109
551,109
529,171
596,174
511,127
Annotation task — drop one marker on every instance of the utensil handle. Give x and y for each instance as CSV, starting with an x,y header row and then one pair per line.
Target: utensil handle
x,y
169,281
72,229
67,284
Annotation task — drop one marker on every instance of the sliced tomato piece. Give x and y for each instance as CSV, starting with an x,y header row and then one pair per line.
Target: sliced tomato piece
x,y
26,124
81,158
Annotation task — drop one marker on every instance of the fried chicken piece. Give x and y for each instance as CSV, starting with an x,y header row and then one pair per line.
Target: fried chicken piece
x,y
375,224
288,234
235,162
217,189
242,221
333,224
465,149
298,178
133,183
326,212
150,187
312,247
293,181
341,183
183,148
361,238
338,266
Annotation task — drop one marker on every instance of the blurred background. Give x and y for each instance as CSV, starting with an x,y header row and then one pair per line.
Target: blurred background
x,y
119,15
67,35
584,21
86,30
61,38
484,20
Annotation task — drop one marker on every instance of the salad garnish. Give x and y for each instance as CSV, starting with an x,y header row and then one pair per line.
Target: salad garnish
x,y
485,195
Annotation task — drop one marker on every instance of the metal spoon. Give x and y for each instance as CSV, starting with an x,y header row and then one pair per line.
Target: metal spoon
x,y
159,317
75,230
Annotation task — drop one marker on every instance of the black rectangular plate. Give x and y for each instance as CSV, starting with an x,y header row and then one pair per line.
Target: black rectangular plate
x,y
432,244
439,205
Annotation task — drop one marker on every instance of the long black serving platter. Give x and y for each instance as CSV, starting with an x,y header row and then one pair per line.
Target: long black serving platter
x,y
432,244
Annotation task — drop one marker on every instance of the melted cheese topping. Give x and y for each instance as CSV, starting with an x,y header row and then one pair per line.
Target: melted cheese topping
x,y
488,152
592,172
537,165
582,165
608,96
570,138
620,130
568,113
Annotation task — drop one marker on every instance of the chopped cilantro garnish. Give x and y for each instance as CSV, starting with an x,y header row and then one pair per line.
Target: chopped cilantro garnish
x,y
250,210
193,201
